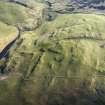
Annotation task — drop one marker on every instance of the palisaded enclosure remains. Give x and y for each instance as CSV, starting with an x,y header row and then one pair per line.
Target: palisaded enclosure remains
x,y
52,52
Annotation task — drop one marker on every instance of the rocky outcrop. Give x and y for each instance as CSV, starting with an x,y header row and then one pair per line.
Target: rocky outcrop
x,y
69,6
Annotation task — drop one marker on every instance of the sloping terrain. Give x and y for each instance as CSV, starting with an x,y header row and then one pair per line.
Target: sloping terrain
x,y
7,34
54,61
20,16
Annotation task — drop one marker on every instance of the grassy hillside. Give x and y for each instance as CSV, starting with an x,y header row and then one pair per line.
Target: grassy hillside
x,y
12,13
27,18
61,54
74,25
7,34
55,62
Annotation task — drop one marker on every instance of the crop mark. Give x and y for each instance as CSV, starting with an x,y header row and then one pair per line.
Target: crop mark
x,y
34,65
